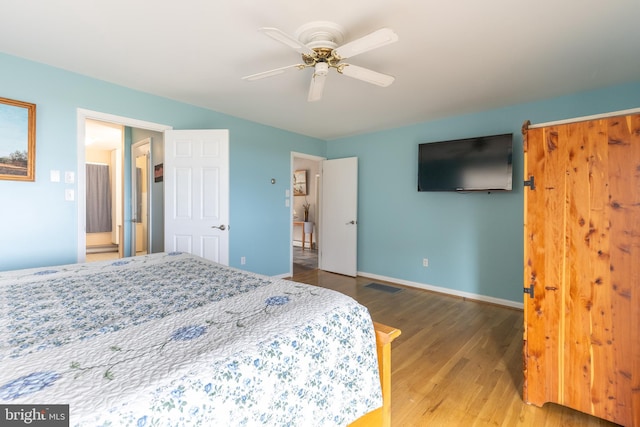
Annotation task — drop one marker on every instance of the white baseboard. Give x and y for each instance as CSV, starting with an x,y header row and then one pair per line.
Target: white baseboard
x,y
447,291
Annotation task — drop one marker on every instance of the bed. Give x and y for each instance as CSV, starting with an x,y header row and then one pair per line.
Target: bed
x,y
174,339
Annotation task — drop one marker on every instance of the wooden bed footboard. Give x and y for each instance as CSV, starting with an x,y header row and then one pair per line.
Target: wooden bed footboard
x,y
381,417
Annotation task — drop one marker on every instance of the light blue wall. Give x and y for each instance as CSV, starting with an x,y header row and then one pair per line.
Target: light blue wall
x,y
38,227
474,241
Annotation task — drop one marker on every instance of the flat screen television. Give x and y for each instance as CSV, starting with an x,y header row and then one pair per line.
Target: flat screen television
x,y
472,164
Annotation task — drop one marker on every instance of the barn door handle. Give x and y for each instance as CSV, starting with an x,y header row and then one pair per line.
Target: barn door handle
x,y
220,227
530,183
529,291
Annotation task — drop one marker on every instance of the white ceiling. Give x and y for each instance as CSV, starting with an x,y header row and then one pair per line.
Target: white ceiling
x,y
452,57
105,136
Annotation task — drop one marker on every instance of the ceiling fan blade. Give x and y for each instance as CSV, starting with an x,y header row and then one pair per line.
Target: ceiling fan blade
x,y
273,72
285,38
379,38
366,75
317,82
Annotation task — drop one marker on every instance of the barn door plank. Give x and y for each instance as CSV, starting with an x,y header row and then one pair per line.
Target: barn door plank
x,y
624,207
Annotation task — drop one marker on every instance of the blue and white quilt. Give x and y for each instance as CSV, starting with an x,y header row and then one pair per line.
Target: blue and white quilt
x,y
174,339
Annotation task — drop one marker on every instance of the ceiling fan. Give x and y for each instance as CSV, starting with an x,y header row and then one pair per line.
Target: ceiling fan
x,y
319,44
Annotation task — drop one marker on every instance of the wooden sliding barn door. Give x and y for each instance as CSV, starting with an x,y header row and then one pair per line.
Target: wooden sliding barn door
x,y
582,267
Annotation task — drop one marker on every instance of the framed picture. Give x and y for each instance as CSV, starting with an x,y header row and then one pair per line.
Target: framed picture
x,y
158,172
300,183
17,140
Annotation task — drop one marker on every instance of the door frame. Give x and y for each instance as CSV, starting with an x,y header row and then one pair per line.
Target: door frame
x,y
318,159
81,186
149,201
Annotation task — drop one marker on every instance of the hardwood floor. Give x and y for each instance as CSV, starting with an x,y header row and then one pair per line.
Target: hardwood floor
x,y
457,362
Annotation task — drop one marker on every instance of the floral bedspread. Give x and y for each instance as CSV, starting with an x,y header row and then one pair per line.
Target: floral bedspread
x,y
173,339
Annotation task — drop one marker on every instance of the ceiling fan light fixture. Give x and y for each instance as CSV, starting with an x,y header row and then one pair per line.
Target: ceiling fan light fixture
x,y
317,42
322,69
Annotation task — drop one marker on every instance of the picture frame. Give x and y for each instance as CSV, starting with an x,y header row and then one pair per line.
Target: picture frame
x,y
158,172
17,140
300,183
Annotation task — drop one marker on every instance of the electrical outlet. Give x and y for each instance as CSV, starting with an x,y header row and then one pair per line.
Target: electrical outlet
x,y
243,260
425,262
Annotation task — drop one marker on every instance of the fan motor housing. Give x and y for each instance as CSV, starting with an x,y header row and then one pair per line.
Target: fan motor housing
x,y
320,34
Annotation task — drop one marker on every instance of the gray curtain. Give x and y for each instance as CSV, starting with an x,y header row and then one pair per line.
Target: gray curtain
x,y
98,199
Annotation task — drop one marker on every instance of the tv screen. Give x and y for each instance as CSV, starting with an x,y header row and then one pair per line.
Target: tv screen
x,y
471,164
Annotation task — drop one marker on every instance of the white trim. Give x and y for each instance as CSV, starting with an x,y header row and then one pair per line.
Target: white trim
x,y
149,165
82,116
468,295
306,156
121,120
586,118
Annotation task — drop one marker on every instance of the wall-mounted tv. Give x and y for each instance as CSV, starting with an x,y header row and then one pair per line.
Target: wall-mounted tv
x,y
471,164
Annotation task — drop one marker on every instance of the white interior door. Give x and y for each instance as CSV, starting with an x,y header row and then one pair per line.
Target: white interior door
x,y
196,185
339,216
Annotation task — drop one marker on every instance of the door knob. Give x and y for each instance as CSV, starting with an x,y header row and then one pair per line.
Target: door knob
x,y
352,222
220,227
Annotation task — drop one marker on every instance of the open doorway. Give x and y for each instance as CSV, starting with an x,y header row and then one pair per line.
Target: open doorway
x,y
103,176
123,200
306,170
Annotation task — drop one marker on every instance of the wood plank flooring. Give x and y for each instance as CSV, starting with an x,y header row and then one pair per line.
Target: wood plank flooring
x,y
457,363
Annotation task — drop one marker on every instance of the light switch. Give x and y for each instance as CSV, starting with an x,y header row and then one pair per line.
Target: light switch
x,y
55,176
286,202
69,177
287,192
69,195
